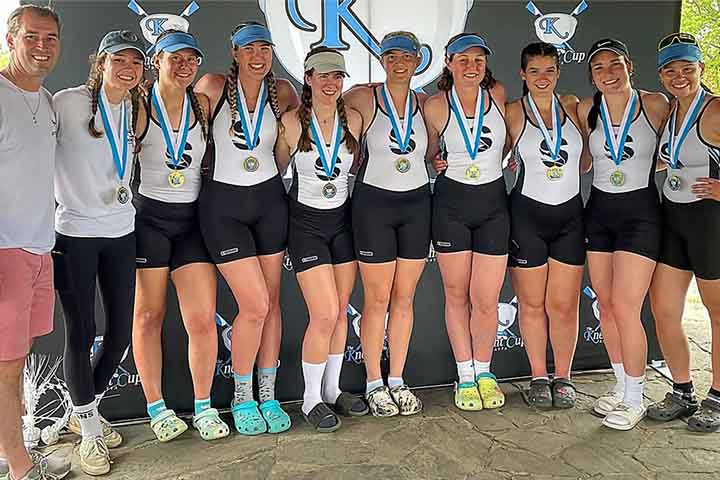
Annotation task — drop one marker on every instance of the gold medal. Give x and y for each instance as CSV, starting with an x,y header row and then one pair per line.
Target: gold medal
x,y
251,164
123,195
402,165
176,179
674,182
329,190
472,172
554,173
617,178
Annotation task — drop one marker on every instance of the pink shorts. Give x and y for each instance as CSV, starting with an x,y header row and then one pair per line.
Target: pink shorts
x,y
27,301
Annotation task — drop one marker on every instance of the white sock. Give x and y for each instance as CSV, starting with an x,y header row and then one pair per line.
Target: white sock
x,y
466,372
541,378
619,370
89,418
313,374
395,382
373,384
331,378
481,367
634,391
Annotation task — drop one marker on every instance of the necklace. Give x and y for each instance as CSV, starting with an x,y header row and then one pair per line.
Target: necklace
x,y
34,112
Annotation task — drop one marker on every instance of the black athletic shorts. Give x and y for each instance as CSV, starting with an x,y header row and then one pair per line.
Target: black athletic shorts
x,y
691,237
241,222
168,234
470,217
388,225
539,231
629,222
319,237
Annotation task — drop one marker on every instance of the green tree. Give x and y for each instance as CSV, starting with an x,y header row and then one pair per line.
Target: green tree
x,y
4,58
702,19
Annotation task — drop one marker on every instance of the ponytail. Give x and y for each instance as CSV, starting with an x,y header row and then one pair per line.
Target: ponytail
x,y
305,115
594,111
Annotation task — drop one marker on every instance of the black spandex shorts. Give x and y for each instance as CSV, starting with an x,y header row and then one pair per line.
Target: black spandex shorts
x,y
241,222
470,217
388,225
539,231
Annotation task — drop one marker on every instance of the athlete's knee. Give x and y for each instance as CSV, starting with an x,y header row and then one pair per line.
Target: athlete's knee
x,y
200,323
148,320
532,308
625,310
456,295
324,321
562,306
255,312
484,304
376,301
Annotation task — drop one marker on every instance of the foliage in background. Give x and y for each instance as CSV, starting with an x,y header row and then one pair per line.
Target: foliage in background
x,y
702,19
4,58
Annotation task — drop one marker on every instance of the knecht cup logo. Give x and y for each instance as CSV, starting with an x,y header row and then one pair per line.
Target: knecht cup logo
x,y
356,27
558,29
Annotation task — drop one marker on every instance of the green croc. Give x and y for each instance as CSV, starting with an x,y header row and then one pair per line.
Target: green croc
x,y
248,419
167,426
210,426
277,419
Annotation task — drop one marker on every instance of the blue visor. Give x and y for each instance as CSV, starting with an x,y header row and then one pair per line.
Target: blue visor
x,y
467,41
400,42
251,33
679,51
175,42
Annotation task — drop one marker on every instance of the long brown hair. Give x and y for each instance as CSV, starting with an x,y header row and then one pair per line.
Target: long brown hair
x,y
94,84
197,108
446,81
305,113
232,79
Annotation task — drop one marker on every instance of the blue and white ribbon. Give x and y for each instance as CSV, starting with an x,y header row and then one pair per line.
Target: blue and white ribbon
x,y
328,159
176,148
116,137
552,143
675,141
402,129
467,127
617,142
251,125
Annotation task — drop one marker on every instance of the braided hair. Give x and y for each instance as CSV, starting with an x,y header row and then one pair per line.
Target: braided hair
x,y
232,80
446,81
94,84
305,113
197,108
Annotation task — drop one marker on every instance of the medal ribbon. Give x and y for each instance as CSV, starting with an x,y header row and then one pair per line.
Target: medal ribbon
x,y
328,160
555,144
176,149
675,142
403,130
113,135
251,123
466,126
617,142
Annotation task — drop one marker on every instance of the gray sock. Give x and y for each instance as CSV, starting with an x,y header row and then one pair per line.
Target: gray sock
x,y
266,383
243,387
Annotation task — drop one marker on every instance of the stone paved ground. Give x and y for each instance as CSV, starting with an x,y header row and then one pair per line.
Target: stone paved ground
x,y
444,443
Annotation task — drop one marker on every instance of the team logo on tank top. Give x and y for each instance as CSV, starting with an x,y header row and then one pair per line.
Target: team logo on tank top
x,y
473,172
402,164
176,178
329,190
555,171
250,164
665,155
628,151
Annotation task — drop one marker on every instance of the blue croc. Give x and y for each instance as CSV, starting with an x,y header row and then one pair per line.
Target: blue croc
x,y
247,417
277,419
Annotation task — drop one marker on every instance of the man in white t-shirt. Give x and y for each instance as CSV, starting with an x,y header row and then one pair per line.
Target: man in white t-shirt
x,y
27,161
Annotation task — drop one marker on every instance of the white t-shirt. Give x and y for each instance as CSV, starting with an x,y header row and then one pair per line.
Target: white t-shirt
x,y
86,179
27,162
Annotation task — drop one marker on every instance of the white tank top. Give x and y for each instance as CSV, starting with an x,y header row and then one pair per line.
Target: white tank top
x,y
638,159
156,164
488,163
86,179
230,163
696,158
385,166
533,156
310,184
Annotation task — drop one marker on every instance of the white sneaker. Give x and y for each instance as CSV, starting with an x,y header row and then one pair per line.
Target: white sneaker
x,y
624,417
608,402
94,456
54,466
112,438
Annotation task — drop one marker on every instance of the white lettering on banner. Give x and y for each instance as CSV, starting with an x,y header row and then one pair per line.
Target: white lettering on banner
x,y
593,334
356,27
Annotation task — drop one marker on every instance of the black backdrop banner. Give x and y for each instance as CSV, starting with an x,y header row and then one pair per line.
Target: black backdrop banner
x,y
508,26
